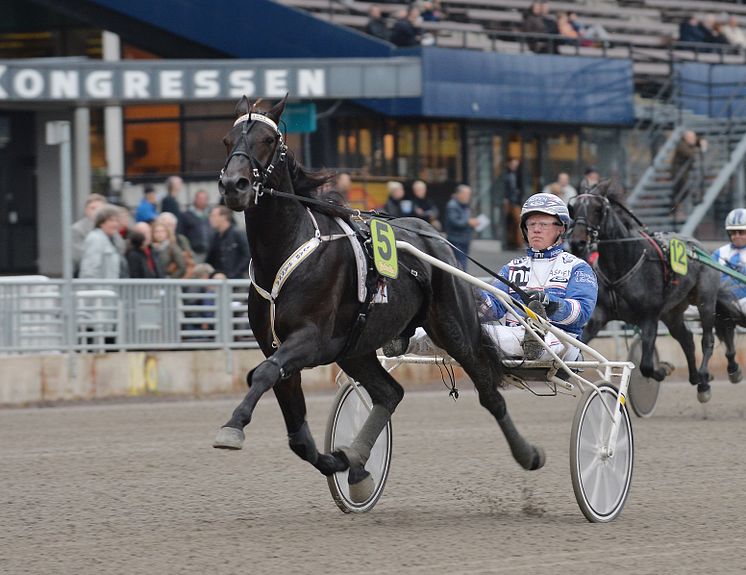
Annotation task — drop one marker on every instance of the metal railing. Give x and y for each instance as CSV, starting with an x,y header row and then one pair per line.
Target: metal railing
x,y
113,315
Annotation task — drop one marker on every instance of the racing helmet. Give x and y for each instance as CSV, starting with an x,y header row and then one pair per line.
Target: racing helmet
x,y
545,203
736,219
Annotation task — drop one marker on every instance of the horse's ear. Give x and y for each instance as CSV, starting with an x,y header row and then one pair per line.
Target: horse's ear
x,y
242,107
278,109
615,190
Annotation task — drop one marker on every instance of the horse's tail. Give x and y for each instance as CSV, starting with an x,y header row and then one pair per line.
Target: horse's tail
x,y
727,308
494,356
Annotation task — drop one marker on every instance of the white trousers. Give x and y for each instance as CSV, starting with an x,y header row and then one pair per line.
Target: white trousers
x,y
506,338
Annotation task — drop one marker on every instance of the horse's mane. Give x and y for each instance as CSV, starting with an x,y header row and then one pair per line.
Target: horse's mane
x,y
309,183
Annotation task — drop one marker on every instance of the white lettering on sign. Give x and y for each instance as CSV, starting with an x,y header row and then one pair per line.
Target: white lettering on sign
x,y
135,84
206,84
276,83
241,83
98,84
311,83
28,83
171,84
129,81
63,84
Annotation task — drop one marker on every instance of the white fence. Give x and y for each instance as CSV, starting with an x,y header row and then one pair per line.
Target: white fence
x,y
122,314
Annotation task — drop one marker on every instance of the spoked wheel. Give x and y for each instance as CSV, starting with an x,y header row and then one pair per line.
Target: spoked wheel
x,y
348,415
601,483
643,391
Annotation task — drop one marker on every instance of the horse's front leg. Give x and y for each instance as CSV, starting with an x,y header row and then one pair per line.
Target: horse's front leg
x,y
296,352
290,397
647,367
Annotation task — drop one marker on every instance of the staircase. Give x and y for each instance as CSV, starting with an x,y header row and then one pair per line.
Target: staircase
x,y
651,199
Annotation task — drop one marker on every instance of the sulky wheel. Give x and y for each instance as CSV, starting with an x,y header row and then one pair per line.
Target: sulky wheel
x,y
643,391
348,415
601,483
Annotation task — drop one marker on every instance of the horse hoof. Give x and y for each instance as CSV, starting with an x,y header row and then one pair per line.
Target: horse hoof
x,y
666,367
540,458
229,438
704,396
331,463
361,491
736,376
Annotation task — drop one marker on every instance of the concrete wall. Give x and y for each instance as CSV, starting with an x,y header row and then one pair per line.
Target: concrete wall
x,y
33,379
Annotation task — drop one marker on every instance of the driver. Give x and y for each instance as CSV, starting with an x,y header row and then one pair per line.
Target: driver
x,y
733,254
562,287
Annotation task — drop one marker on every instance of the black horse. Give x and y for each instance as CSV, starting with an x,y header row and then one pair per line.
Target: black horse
x,y
312,319
636,284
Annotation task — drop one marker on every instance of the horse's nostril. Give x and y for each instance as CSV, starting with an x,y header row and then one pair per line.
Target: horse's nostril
x,y
243,184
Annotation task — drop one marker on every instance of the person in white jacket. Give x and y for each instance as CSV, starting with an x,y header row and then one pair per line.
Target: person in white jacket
x,y
101,258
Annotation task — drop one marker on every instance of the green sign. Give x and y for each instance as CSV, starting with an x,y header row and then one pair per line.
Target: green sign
x,y
679,261
300,118
384,248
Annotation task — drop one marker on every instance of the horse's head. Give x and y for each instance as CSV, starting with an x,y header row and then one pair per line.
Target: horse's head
x,y
255,150
590,211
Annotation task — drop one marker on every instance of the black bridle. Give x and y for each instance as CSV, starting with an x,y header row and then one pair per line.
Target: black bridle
x,y
581,218
260,174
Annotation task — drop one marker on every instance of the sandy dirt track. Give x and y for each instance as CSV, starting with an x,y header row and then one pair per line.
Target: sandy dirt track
x,y
136,488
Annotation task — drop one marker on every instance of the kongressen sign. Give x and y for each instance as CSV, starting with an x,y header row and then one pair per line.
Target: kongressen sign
x,y
158,80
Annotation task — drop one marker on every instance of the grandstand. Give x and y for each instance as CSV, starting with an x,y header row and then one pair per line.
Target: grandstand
x,y
645,31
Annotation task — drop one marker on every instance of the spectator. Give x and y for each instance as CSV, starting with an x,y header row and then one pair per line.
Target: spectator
x,y
170,203
396,205
229,250
140,258
342,184
432,11
101,259
690,30
169,220
562,187
512,203
195,227
588,32
405,31
147,210
459,224
125,223
424,208
167,251
733,33
533,23
687,151
565,28
84,226
590,179
710,30
376,25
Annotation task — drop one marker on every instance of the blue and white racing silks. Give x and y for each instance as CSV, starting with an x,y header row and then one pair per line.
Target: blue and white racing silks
x,y
568,281
735,258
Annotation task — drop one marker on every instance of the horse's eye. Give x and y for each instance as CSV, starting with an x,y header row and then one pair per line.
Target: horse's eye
x,y
269,141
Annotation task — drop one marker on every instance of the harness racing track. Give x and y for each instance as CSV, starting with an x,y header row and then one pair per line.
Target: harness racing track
x,y
135,487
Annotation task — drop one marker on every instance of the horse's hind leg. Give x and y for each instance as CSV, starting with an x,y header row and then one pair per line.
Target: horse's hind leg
x,y
479,357
725,330
290,397
386,394
698,377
